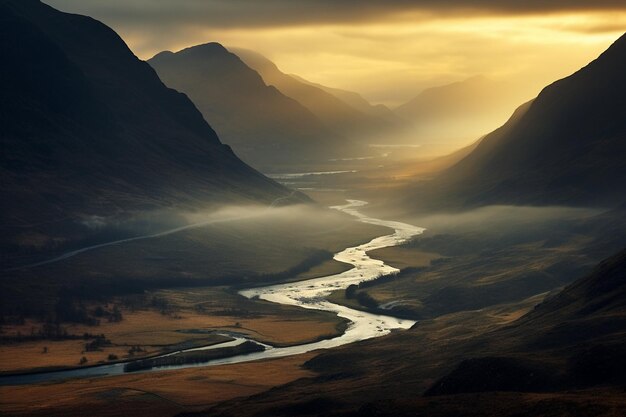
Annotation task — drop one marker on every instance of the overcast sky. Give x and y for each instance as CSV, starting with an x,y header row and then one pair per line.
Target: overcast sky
x,y
387,50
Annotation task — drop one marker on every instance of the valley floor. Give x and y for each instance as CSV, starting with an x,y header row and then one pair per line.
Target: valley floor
x,y
465,279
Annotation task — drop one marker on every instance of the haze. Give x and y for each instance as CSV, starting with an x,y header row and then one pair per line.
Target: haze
x,y
313,208
387,52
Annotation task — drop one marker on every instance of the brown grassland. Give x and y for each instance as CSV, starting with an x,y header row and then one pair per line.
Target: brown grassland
x,y
191,316
152,394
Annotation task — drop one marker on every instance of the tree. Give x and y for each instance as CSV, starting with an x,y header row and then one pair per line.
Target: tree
x,y
116,315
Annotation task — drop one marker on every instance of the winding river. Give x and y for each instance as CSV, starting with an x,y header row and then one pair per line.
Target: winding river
x,y
310,294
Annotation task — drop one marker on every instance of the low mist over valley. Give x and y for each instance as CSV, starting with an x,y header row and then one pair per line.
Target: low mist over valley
x,y
312,208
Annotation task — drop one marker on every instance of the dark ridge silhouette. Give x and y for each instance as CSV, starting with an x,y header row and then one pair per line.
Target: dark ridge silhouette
x,y
89,129
335,113
258,121
566,147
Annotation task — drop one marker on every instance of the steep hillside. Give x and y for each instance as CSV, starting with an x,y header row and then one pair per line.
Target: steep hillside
x,y
258,121
90,130
572,340
566,147
332,111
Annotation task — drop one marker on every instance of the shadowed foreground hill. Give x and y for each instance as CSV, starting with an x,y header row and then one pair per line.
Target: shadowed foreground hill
x,y
566,147
263,125
572,340
88,129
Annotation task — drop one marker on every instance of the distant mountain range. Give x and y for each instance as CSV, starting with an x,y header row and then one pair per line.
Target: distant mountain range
x,y
567,146
263,125
271,117
458,113
344,112
89,129
355,100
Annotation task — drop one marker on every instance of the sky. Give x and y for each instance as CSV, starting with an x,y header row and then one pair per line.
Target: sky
x,y
386,50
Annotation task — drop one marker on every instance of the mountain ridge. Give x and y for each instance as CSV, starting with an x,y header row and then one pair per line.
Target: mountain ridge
x,y
461,111
93,131
565,148
260,122
336,114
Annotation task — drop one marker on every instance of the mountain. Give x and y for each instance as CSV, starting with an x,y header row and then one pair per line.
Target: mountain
x,y
258,121
580,330
88,129
567,146
598,297
332,111
460,112
589,310
354,100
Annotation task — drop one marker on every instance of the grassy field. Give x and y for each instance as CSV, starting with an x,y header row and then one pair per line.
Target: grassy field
x,y
158,394
243,251
492,256
282,245
416,357
393,375
190,316
194,389
402,257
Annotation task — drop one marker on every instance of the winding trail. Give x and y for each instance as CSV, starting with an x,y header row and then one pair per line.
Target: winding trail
x,y
73,253
309,294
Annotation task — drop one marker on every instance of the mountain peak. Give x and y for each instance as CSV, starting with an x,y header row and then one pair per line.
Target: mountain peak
x,y
261,123
77,118
205,49
209,46
162,55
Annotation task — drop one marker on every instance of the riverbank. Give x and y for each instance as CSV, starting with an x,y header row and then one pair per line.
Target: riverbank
x,y
309,294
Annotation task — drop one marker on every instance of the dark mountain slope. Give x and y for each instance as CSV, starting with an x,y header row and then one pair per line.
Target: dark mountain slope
x,y
261,124
89,129
333,112
567,148
587,310
572,340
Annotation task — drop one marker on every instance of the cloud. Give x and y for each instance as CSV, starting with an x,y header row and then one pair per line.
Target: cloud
x,y
388,50
254,13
